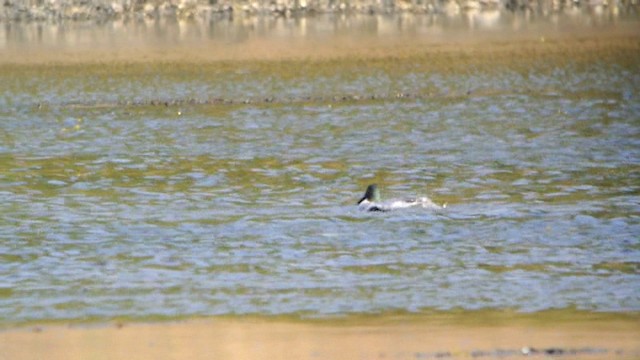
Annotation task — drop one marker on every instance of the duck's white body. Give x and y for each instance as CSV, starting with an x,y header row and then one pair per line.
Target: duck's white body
x,y
371,202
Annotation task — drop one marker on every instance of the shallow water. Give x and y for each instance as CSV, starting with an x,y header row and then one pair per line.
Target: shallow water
x,y
116,205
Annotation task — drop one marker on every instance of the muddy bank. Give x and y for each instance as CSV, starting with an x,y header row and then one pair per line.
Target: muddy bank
x,y
452,52
137,32
430,337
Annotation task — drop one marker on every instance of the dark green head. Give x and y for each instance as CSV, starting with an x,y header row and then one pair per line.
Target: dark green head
x,y
372,194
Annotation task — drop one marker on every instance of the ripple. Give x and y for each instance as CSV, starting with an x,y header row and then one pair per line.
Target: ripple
x,y
250,208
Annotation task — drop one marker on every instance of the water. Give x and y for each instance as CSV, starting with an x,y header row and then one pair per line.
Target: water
x,y
222,202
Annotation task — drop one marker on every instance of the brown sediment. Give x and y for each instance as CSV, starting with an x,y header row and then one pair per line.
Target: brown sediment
x,y
390,337
342,56
469,50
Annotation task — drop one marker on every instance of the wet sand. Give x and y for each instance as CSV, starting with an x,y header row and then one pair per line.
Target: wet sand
x,y
390,337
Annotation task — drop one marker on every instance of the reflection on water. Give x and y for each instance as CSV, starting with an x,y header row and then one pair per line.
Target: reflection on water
x,y
446,25
143,210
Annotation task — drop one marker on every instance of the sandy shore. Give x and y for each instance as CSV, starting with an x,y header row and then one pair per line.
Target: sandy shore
x,y
387,337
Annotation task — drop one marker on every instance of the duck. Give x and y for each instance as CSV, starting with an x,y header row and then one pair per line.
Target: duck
x,y
371,202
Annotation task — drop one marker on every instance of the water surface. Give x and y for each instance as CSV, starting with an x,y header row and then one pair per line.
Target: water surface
x,y
238,195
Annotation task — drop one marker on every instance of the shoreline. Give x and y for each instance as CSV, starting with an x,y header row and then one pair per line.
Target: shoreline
x,y
444,336
612,45
325,36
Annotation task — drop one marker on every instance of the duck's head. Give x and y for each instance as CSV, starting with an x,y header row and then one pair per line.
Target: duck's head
x,y
371,195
